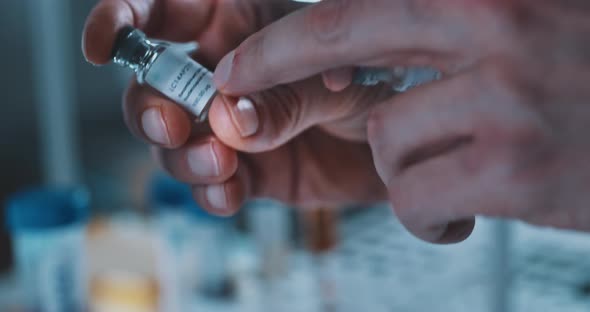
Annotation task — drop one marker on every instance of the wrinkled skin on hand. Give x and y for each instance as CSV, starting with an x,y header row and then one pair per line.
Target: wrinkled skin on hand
x,y
503,135
308,147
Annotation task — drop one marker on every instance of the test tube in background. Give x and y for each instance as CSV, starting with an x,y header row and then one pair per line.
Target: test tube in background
x,y
320,228
176,254
191,245
47,226
270,224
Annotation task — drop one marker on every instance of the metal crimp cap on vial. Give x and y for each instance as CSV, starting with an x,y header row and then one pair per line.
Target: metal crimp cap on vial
x,y
130,48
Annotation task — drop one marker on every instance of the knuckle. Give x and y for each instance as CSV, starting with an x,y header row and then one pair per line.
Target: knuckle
x,y
519,122
384,146
282,108
328,20
358,100
501,78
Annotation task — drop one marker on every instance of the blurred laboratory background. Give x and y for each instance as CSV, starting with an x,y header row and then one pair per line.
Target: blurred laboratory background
x,y
88,222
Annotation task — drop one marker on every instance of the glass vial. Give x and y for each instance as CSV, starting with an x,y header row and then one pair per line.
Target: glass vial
x,y
168,69
401,79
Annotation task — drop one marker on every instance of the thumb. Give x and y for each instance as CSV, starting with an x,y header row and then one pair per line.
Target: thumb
x,y
266,120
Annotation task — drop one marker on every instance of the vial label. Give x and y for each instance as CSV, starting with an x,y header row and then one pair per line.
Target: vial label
x,y
183,80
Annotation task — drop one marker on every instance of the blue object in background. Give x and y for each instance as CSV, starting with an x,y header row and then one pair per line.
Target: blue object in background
x,y
47,225
39,209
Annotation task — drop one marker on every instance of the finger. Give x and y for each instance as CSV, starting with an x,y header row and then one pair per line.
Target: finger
x,y
268,119
446,128
155,119
337,33
262,175
296,172
172,20
221,199
338,79
445,153
204,160
438,187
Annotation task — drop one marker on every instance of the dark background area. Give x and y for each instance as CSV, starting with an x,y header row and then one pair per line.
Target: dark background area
x,y
107,152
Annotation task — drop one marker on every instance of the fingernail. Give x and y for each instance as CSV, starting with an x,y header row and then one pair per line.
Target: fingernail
x,y
456,232
203,161
436,232
154,126
244,116
223,70
216,196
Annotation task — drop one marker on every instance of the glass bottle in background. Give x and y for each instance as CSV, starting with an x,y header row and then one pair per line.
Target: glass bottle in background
x,y
270,224
121,265
191,245
213,237
116,291
47,226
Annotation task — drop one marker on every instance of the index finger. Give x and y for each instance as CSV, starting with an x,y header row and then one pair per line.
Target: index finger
x,y
337,33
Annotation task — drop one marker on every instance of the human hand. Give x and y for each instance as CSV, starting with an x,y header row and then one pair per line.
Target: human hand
x,y
307,145
503,135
